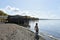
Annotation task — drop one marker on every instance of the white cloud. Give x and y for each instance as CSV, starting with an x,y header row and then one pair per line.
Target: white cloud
x,y
8,7
41,14
12,8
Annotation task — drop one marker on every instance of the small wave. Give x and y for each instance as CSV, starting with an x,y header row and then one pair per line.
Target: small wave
x,y
48,36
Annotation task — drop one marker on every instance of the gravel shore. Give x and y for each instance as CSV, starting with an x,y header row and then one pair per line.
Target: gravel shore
x,y
16,32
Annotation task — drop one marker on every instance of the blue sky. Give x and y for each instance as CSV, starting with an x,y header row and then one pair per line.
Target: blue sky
x,y
36,8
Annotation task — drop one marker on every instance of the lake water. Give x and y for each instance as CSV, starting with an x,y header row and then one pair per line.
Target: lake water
x,y
50,27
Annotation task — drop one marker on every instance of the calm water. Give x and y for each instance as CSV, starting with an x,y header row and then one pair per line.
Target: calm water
x,y
51,27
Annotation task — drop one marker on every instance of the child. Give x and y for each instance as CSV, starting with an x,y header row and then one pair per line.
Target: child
x,y
36,31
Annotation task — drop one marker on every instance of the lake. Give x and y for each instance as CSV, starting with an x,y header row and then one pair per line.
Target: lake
x,y
48,27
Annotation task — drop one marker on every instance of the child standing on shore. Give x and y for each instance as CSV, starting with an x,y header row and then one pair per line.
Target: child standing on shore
x,y
36,31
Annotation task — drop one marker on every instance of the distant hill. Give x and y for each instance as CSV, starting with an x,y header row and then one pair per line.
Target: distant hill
x,y
2,13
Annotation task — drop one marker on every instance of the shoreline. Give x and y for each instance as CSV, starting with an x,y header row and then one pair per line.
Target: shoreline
x,y
23,30
45,37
